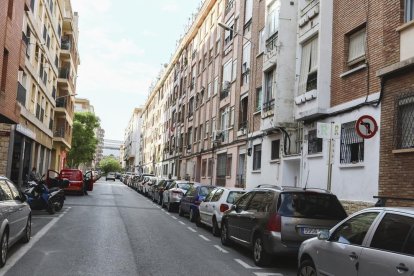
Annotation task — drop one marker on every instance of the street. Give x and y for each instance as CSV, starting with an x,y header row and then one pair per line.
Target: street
x,y
116,231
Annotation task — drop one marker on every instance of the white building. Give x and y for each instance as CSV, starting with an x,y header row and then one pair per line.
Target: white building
x,y
132,141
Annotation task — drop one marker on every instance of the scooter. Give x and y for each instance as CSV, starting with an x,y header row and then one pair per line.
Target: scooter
x,y
40,197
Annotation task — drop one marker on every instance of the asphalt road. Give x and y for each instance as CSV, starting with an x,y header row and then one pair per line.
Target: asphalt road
x,y
116,231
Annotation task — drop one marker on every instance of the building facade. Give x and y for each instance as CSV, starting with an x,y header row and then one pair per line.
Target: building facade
x,y
132,141
12,53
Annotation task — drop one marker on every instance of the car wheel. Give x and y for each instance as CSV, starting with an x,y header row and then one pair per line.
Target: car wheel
x,y
224,235
260,256
27,230
4,243
216,229
180,211
192,215
307,268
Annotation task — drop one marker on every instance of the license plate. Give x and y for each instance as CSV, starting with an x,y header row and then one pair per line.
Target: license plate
x,y
310,231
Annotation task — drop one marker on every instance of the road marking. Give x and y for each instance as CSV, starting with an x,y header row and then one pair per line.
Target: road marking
x,y
221,249
181,222
267,274
12,260
173,217
245,265
204,238
192,230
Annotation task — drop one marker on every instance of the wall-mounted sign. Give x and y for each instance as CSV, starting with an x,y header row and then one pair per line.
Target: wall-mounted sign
x,y
366,126
328,130
25,131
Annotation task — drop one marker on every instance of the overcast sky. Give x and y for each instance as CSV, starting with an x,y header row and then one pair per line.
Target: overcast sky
x,y
122,46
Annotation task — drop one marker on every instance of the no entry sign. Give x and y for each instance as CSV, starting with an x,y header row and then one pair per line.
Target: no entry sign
x,y
366,126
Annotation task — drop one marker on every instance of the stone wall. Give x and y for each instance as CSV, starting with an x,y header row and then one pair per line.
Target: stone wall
x,y
355,206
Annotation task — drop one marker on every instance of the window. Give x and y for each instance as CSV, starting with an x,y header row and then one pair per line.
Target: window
x,y
207,124
353,231
228,34
258,105
243,113
190,107
228,165
268,96
244,200
257,157
10,9
209,90
14,190
204,167
409,10
261,202
227,78
248,12
221,169
275,153
210,196
309,66
4,70
210,167
246,63
5,192
352,146
215,86
392,233
356,48
234,70
190,136
314,143
217,195
403,125
272,20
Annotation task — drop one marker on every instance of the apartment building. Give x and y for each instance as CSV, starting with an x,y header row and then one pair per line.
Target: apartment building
x,y
132,141
12,52
396,184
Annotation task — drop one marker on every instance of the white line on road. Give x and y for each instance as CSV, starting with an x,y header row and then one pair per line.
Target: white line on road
x,y
221,249
12,260
173,217
192,230
204,238
181,222
246,265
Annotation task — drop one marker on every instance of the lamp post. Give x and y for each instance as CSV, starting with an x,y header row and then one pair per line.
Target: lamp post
x,y
228,28
64,96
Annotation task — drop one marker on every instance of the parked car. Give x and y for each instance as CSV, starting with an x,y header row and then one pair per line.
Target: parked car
x,y
77,180
110,176
139,182
154,188
276,220
215,204
159,190
148,184
191,200
374,241
174,192
15,217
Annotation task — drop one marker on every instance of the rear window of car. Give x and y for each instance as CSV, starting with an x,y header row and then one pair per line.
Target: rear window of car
x,y
204,191
234,196
184,186
311,205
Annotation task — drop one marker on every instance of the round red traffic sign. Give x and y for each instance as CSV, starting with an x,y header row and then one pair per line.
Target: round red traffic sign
x,y
366,126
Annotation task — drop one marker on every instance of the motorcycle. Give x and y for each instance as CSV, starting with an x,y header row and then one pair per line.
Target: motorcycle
x,y
40,197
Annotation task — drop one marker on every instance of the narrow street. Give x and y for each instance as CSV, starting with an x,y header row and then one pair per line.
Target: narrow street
x,y
116,231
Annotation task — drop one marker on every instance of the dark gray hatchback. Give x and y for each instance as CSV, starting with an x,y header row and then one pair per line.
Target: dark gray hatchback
x,y
276,220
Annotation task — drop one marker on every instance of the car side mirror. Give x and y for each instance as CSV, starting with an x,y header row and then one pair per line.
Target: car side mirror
x,y
323,235
22,197
233,208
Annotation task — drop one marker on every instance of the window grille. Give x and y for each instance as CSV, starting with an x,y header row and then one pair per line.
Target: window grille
x,y
352,145
404,121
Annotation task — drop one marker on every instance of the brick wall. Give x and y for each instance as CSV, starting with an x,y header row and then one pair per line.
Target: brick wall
x,y
380,17
396,169
10,39
4,147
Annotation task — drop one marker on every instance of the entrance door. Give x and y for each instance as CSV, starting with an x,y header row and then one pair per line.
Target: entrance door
x,y
241,171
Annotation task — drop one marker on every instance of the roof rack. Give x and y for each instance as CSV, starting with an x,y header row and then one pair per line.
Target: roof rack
x,y
269,186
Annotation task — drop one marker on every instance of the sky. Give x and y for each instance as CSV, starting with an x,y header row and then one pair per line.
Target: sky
x,y
123,45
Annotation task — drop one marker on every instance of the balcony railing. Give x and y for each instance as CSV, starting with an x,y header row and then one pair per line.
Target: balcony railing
x,y
66,43
268,105
229,6
271,43
62,102
64,73
21,94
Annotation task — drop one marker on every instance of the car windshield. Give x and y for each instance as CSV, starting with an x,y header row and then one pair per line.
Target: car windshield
x,y
204,191
311,205
184,186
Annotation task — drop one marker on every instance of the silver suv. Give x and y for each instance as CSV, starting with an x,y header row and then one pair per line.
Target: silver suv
x,y
276,220
374,241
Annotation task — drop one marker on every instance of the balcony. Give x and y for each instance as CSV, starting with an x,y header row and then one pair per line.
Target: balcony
x,y
268,106
61,135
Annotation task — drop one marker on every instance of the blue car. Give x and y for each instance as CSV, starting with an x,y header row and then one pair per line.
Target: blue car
x,y
192,199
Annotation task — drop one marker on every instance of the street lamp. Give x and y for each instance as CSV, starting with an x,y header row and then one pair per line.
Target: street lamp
x,y
228,28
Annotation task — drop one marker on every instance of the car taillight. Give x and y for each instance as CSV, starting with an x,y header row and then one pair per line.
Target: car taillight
x,y
275,223
224,207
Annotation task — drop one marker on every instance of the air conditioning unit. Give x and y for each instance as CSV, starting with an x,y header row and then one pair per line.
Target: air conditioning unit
x,y
226,85
218,137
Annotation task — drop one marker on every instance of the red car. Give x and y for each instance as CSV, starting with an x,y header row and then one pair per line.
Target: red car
x,y
76,178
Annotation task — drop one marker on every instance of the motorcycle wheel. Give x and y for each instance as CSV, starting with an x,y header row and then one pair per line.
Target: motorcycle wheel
x,y
51,208
59,205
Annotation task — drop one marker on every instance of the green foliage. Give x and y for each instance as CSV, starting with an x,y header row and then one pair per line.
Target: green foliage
x,y
84,141
109,164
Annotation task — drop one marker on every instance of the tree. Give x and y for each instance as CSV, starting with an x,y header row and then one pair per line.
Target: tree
x,y
84,141
109,164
